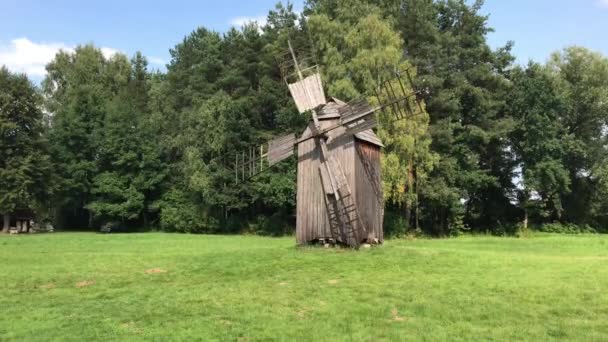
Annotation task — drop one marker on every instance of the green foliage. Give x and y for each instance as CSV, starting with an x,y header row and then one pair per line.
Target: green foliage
x,y
358,46
560,139
567,228
497,146
25,168
463,78
235,102
102,137
181,214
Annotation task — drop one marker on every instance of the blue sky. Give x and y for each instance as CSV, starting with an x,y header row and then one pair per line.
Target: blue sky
x,y
31,31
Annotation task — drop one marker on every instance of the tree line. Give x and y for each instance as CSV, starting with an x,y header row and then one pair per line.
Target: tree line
x,y
109,143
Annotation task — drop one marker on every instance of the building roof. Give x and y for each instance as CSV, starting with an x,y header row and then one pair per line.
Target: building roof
x,y
331,111
370,137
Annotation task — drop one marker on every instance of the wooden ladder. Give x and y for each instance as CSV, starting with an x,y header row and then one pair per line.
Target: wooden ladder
x,y
344,220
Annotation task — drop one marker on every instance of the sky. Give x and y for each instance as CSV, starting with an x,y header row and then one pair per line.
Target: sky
x,y
32,31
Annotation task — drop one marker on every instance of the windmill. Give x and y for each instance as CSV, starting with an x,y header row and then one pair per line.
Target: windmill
x,y
339,191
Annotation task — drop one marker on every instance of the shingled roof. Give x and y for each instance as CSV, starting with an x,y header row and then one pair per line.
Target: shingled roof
x,y
331,111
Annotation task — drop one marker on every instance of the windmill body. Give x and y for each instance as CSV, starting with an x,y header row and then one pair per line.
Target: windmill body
x,y
339,188
358,158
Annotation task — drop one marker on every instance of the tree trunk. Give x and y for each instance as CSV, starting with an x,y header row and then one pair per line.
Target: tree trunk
x,y
145,216
409,191
525,220
417,201
408,216
7,223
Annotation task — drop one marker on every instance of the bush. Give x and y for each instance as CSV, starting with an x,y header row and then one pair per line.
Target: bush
x,y
566,228
179,214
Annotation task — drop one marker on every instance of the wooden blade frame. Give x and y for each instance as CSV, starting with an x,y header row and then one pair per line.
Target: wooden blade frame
x,y
404,104
281,148
358,115
251,163
260,159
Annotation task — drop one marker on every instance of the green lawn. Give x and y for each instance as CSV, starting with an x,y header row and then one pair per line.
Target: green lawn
x,y
85,287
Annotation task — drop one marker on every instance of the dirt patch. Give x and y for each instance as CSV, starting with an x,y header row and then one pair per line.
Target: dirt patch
x,y
85,283
47,286
131,327
155,271
396,316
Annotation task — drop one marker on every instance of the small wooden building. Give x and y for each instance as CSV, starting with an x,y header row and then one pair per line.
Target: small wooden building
x,y
359,156
19,221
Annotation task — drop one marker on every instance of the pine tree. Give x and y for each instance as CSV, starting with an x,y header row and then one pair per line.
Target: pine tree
x,y
25,169
539,142
358,45
130,169
466,83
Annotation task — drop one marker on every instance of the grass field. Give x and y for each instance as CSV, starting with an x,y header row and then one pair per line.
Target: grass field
x,y
83,287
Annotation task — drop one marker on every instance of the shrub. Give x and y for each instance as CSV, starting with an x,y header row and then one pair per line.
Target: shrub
x,y
179,214
566,228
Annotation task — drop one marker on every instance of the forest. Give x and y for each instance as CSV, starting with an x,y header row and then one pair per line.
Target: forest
x,y
108,143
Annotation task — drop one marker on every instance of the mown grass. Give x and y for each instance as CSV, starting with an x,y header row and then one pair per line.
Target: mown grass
x,y
83,287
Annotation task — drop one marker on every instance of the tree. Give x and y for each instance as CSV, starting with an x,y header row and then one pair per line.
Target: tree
x,y
358,46
583,83
236,101
467,87
540,142
25,168
130,169
99,134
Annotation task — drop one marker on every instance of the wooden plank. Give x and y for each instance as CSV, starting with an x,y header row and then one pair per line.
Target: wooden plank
x,y
370,137
308,93
369,189
363,124
325,179
281,148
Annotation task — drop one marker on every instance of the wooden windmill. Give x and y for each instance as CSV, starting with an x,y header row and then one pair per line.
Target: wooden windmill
x,y
339,189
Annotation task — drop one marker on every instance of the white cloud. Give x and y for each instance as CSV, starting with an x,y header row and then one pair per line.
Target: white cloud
x,y
241,21
602,3
157,61
107,52
23,55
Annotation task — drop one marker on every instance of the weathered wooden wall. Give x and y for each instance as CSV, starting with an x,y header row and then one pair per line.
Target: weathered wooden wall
x,y
361,166
370,199
312,222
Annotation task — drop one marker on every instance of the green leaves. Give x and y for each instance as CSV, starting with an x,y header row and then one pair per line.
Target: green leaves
x,y
117,199
560,139
140,148
104,144
25,170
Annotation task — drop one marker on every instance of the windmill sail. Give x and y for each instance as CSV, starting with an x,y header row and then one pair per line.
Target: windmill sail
x,y
281,148
308,93
357,116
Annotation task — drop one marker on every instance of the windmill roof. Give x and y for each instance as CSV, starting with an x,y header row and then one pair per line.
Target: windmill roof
x,y
331,110
370,137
